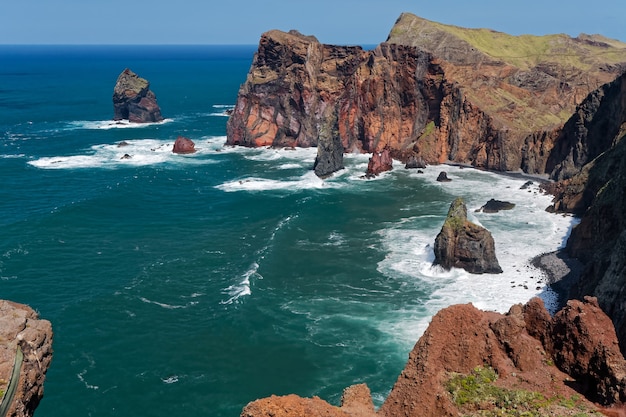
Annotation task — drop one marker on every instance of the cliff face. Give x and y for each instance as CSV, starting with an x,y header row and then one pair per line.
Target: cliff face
x,y
445,93
25,355
527,353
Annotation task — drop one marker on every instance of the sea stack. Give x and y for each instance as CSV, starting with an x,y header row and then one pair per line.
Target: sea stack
x,y
133,100
463,244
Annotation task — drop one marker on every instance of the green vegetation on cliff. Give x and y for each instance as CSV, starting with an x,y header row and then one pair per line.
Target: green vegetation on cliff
x,y
476,394
524,83
524,52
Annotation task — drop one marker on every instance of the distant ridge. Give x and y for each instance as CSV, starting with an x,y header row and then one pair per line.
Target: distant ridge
x,y
464,45
497,71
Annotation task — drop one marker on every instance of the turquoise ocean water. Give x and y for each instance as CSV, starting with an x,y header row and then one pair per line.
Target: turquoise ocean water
x,y
191,285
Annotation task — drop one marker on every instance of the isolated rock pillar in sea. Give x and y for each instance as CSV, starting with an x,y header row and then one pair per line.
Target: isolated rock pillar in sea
x,y
463,244
133,100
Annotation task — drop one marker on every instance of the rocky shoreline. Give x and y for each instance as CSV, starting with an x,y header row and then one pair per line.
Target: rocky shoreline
x,y
561,271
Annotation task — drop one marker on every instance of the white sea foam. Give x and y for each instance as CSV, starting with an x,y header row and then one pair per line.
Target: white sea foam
x,y
307,181
520,235
167,306
112,124
170,379
140,152
242,288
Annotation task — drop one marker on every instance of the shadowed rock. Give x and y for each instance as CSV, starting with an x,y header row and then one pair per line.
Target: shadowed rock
x,y
443,177
415,162
463,244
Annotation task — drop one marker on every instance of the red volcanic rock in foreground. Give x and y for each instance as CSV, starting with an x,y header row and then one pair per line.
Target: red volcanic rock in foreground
x,y
573,356
184,145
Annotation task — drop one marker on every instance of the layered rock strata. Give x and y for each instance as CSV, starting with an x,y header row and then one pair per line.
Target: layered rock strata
x,y
463,244
571,354
444,93
133,100
25,355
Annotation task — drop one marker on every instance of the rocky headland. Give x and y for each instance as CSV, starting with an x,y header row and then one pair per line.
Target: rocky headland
x,y
553,106
443,93
133,100
25,355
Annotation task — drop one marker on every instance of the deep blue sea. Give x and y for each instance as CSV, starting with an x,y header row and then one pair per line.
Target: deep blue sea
x,y
191,285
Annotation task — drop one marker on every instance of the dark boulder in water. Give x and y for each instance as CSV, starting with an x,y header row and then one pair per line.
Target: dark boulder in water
x,y
494,206
443,177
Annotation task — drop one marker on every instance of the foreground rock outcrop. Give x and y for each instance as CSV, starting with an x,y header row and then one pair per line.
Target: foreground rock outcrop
x,y
548,361
133,100
25,355
440,92
463,244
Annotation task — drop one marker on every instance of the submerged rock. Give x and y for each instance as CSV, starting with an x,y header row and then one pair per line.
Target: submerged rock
x,y
463,244
133,100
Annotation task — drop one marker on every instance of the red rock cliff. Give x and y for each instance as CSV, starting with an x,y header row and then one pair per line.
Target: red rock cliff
x,y
443,92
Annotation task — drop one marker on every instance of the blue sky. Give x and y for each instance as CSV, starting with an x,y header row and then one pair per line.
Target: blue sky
x,y
243,21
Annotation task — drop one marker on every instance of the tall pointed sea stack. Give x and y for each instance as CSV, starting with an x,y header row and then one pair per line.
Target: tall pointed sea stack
x,y
133,100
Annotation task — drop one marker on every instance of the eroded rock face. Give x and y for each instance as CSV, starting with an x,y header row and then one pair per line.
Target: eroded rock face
x,y
133,100
20,326
463,244
184,145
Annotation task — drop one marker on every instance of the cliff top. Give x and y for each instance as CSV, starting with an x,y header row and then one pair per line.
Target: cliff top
x,y
467,46
525,83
